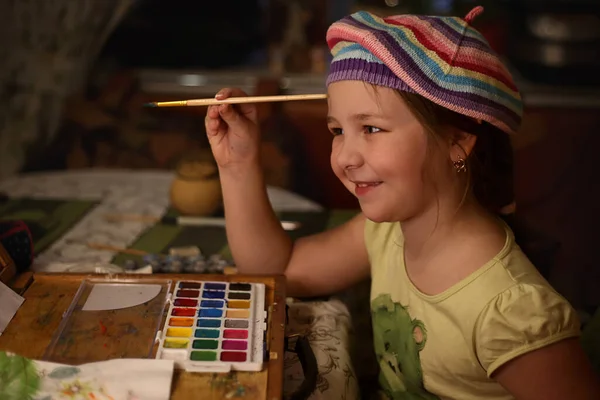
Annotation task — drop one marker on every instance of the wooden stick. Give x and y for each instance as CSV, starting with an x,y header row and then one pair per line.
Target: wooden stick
x,y
236,100
186,220
133,252
131,217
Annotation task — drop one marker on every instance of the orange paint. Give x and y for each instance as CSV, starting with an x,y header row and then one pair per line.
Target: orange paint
x,y
181,322
238,313
238,304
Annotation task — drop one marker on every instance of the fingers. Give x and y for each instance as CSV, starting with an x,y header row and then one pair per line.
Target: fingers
x,y
212,122
247,110
231,116
220,118
230,92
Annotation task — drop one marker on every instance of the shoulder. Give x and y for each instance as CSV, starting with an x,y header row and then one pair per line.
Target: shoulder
x,y
511,267
378,235
524,317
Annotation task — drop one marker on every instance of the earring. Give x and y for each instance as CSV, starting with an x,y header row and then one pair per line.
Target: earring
x,y
460,165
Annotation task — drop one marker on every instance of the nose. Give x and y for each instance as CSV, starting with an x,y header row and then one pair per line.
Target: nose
x,y
348,154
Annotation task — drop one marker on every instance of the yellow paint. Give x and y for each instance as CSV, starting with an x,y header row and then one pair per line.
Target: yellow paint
x,y
179,332
238,313
238,304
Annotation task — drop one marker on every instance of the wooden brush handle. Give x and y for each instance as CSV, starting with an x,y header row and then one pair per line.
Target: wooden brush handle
x,y
131,217
133,252
240,100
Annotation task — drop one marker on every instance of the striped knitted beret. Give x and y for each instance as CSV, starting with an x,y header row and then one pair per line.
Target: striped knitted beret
x,y
443,59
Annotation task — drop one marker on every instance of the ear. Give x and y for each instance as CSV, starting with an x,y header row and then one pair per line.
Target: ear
x,y
462,145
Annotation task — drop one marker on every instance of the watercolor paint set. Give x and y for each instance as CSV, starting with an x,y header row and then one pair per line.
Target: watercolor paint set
x,y
215,326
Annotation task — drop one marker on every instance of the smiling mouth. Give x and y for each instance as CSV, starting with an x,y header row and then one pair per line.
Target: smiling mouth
x,y
366,184
363,188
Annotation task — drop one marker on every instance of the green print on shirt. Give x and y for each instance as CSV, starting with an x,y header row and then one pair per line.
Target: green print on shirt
x,y
398,341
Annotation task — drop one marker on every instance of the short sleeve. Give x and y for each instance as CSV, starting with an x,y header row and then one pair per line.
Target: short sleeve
x,y
521,319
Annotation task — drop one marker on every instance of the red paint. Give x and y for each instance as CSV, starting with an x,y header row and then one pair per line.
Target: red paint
x,y
102,328
233,356
234,345
183,312
186,303
189,285
235,334
188,293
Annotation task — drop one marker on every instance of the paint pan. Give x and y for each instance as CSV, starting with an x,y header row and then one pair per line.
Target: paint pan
x,y
215,327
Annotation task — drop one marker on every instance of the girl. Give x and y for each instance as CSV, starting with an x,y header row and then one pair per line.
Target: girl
x,y
420,109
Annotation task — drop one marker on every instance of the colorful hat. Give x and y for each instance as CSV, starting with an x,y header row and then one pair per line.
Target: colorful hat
x,y
443,59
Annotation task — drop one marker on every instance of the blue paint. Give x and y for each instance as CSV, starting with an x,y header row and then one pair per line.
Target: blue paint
x,y
207,333
209,323
214,286
212,303
212,294
210,313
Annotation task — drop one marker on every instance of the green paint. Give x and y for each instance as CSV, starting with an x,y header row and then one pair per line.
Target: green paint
x,y
64,372
203,356
206,333
19,378
205,344
175,344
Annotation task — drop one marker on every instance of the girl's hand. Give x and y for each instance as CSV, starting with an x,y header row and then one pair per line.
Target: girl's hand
x,y
232,131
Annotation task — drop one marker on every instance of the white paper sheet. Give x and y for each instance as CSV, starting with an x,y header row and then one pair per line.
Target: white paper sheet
x,y
108,296
123,379
9,304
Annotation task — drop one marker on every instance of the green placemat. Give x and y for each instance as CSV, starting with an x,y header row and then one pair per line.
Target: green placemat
x,y
47,219
213,240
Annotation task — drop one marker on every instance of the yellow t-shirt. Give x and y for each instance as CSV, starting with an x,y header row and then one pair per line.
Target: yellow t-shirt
x,y
447,346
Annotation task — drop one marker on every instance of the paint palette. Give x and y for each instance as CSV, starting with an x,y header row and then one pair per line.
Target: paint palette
x,y
215,327
110,318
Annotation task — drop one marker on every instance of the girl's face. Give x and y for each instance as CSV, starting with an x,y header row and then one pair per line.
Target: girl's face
x,y
380,152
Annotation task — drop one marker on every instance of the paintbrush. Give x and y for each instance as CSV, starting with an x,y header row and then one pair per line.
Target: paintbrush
x,y
100,246
236,100
187,221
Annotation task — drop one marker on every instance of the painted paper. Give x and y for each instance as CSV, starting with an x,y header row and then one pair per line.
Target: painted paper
x,y
120,379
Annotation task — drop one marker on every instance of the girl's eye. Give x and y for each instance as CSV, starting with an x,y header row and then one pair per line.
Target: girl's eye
x,y
337,131
372,129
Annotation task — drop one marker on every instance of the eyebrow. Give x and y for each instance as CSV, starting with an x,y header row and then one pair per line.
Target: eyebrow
x,y
357,117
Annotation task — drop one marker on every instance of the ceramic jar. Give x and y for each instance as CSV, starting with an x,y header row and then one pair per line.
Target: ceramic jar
x,y
196,189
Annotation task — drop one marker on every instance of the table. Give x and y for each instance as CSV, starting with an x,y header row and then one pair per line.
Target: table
x,y
326,323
